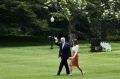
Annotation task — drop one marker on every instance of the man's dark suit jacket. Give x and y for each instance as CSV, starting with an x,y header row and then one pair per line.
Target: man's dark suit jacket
x,y
64,52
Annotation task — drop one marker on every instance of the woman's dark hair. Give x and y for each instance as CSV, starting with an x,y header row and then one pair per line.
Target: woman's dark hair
x,y
75,42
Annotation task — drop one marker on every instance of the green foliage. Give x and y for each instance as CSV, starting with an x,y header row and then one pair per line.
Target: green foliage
x,y
24,17
111,9
113,38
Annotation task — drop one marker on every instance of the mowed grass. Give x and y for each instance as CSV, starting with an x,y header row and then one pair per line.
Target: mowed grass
x,y
40,62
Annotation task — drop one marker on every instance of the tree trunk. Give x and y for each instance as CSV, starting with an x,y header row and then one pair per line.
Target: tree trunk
x,y
72,32
96,36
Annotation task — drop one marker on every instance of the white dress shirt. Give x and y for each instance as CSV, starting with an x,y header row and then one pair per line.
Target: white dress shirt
x,y
63,44
75,50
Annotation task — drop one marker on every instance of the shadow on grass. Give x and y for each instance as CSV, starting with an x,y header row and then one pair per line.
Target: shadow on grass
x,y
74,75
21,44
18,41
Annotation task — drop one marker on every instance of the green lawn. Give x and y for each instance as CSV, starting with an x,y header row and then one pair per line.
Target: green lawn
x,y
39,62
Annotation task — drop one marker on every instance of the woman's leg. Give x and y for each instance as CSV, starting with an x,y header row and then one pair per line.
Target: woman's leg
x,y
70,67
80,70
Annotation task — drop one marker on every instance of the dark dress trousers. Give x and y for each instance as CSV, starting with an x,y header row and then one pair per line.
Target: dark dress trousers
x,y
64,53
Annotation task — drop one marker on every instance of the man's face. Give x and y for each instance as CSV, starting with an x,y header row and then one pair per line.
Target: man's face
x,y
63,40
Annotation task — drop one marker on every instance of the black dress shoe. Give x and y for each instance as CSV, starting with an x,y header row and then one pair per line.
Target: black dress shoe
x,y
58,74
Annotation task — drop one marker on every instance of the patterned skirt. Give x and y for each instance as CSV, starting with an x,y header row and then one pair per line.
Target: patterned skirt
x,y
74,61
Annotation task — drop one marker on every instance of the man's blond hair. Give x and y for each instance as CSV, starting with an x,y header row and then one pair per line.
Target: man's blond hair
x,y
63,38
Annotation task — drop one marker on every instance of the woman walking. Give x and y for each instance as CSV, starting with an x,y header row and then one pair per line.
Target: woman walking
x,y
74,58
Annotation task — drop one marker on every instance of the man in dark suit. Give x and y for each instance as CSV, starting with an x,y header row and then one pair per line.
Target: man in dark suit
x,y
64,53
